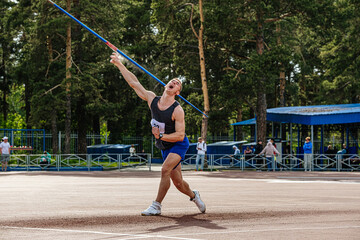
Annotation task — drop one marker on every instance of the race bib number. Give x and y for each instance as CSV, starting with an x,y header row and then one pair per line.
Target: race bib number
x,y
159,125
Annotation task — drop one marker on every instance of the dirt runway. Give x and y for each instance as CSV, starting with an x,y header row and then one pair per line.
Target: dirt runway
x,y
240,205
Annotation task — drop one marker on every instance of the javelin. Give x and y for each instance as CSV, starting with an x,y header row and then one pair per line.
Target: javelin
x,y
120,52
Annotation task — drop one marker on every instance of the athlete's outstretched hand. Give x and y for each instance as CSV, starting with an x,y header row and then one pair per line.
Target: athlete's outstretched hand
x,y
116,59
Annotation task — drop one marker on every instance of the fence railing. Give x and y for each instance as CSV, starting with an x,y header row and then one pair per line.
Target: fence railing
x,y
288,162
78,162
99,162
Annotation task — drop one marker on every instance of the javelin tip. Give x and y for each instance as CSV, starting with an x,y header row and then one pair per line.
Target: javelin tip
x,y
51,2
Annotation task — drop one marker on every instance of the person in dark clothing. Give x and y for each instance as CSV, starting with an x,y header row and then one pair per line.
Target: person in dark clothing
x,y
168,128
258,147
287,148
330,152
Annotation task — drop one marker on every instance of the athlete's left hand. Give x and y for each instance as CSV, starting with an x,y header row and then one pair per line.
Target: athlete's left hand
x,y
156,132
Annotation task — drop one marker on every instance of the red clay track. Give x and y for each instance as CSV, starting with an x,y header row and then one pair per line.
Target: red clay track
x,y
240,205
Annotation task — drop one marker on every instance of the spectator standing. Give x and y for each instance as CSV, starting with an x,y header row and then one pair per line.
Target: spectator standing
x,y
340,155
270,151
132,150
307,154
5,153
258,147
287,149
201,150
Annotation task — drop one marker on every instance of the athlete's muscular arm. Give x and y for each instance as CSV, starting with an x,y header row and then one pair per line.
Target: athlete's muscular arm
x,y
132,80
179,134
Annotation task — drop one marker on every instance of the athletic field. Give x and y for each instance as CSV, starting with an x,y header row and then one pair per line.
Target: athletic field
x,y
240,205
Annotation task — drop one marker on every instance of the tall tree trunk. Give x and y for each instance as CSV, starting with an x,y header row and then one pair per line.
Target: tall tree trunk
x,y
261,104
81,114
5,84
282,70
68,84
96,127
239,118
54,131
81,119
27,101
302,86
204,125
200,37
28,94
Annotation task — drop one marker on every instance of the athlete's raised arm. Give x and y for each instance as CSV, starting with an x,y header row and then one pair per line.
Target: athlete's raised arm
x,y
132,80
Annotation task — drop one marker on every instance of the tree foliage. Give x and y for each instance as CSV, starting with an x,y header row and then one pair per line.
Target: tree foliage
x,y
246,45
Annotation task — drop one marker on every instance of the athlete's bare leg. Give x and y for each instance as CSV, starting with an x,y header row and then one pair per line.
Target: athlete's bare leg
x,y
167,172
180,183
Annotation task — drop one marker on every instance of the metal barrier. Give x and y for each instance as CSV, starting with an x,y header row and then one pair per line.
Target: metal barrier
x,y
99,162
285,162
79,162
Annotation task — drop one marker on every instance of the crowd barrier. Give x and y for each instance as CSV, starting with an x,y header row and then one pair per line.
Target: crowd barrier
x,y
288,162
78,162
100,162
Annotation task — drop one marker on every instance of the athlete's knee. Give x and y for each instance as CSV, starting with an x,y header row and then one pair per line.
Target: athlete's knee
x,y
165,171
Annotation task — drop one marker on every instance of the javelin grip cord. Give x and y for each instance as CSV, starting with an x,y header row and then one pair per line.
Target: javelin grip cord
x,y
120,52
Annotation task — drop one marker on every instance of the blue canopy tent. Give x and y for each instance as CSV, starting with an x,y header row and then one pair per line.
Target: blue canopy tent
x,y
313,115
251,121
316,115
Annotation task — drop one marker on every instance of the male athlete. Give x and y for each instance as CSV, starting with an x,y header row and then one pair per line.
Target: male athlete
x,y
168,127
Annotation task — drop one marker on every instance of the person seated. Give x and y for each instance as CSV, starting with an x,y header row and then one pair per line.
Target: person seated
x,y
248,153
45,159
236,155
252,149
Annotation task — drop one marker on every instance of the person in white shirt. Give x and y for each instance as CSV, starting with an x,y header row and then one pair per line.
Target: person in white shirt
x,y
5,153
201,149
132,150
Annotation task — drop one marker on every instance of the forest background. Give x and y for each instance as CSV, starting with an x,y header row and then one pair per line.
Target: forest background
x,y
236,58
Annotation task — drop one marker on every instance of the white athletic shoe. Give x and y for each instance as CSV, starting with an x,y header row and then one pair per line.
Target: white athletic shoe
x,y
153,210
199,203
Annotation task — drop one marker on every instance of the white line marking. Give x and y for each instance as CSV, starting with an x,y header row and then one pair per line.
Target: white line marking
x,y
291,181
174,236
133,236
266,230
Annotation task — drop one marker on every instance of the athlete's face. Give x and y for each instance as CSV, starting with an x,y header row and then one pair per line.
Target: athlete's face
x,y
174,86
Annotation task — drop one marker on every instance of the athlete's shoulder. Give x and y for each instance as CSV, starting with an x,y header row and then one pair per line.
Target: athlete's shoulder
x,y
150,96
178,113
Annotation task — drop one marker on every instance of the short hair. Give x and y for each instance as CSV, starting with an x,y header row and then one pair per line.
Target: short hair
x,y
179,82
307,138
200,138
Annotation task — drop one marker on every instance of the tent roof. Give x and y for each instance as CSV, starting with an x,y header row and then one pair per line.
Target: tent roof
x,y
251,121
316,115
226,143
311,115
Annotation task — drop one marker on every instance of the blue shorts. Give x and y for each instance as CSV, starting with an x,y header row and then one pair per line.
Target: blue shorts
x,y
180,148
